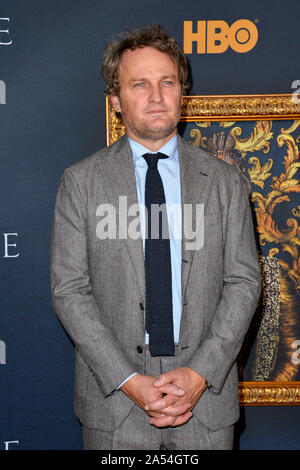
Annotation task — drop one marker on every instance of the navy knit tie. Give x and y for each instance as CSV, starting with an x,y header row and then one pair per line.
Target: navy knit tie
x,y
159,311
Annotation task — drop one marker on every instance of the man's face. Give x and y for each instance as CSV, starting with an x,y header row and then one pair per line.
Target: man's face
x,y
150,96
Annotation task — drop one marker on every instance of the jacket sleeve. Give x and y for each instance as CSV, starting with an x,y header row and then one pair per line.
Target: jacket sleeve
x,y
241,289
72,293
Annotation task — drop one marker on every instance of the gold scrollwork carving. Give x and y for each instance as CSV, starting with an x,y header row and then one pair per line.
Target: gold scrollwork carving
x,y
199,140
269,393
291,129
296,212
258,174
249,107
259,139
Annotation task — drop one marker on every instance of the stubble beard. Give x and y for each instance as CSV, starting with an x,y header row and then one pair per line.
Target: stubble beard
x,y
148,133
144,131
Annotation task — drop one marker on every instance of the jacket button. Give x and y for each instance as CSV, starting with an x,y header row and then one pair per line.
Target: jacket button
x,y
141,306
139,349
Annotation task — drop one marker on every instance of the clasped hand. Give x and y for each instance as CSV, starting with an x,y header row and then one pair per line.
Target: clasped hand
x,y
168,400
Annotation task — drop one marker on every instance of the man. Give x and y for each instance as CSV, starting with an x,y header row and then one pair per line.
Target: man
x,y
157,321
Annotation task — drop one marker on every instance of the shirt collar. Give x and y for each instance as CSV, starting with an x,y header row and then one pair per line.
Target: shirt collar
x,y
170,149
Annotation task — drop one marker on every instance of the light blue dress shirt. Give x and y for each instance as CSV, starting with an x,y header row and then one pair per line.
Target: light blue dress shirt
x,y
169,171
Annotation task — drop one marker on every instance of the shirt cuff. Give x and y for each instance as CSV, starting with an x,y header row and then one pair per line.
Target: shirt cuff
x,y
126,380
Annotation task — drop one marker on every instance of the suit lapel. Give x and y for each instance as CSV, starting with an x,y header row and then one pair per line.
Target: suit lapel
x,y
196,179
118,178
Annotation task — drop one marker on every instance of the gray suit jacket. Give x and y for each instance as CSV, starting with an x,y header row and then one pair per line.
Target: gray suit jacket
x,y
98,286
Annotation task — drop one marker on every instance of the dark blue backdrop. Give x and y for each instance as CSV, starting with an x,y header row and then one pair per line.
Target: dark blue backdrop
x,y
54,115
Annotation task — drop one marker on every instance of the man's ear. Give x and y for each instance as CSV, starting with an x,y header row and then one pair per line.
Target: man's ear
x,y
115,102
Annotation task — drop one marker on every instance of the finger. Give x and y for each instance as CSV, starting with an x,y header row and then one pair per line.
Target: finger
x,y
162,422
164,402
164,379
155,414
175,410
182,419
172,419
172,389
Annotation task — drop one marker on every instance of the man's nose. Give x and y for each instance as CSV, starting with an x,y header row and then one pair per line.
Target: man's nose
x,y
156,93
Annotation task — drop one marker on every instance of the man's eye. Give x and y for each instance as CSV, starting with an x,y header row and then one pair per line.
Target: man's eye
x,y
139,84
168,82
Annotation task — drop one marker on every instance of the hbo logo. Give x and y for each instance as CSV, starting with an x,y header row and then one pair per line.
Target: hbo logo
x,y
214,37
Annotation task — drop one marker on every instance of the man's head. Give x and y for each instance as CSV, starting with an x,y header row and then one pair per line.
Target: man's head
x,y
151,36
146,74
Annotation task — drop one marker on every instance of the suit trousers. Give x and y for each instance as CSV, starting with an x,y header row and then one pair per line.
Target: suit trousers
x,y
135,432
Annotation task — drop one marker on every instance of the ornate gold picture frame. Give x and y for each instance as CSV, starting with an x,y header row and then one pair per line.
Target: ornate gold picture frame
x,y
260,134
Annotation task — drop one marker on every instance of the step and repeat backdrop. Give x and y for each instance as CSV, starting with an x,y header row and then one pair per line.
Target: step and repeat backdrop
x,y
52,114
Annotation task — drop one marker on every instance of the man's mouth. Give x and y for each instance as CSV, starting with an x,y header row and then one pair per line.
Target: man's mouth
x,y
156,111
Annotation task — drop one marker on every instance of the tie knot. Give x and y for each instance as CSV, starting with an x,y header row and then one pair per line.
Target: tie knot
x,y
152,159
